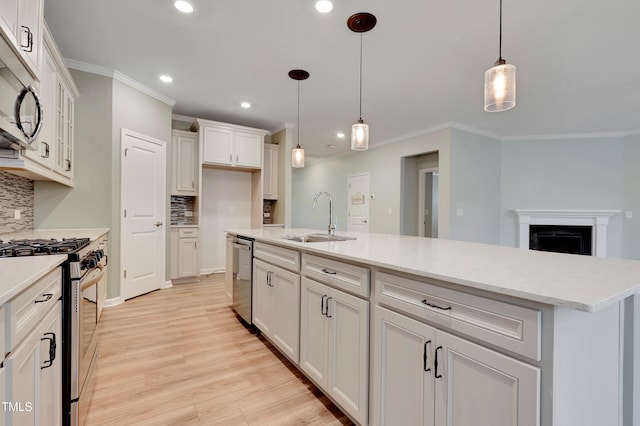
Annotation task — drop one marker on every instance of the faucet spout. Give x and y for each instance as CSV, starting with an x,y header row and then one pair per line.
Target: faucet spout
x,y
331,227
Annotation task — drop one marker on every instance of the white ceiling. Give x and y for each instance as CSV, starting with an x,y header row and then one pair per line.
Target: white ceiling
x,y
578,62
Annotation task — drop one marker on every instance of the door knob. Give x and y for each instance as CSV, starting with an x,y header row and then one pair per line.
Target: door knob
x,y
158,224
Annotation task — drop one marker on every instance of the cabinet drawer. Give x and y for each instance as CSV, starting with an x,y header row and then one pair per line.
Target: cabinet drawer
x,y
187,233
511,327
351,278
285,258
25,311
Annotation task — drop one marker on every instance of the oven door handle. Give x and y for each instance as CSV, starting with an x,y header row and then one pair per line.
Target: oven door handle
x,y
95,279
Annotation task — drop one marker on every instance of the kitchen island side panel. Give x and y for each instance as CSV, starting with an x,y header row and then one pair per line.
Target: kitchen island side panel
x,y
587,367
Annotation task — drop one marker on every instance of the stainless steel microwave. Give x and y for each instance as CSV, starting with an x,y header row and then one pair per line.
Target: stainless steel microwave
x,y
21,113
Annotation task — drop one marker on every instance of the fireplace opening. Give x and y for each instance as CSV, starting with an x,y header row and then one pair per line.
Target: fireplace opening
x,y
561,239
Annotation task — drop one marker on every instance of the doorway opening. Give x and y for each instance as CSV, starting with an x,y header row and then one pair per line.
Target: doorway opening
x,y
420,195
428,196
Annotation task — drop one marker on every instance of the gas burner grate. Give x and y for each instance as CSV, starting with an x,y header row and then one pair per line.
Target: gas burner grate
x,y
40,247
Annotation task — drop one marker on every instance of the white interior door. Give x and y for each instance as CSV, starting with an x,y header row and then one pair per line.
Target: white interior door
x,y
358,203
143,201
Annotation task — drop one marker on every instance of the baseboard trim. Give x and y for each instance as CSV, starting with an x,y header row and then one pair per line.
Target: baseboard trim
x,y
109,303
167,284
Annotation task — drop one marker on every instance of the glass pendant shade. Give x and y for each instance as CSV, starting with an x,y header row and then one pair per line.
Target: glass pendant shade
x,y
297,157
500,87
359,136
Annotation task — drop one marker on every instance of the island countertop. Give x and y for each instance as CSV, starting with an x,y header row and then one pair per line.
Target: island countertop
x,y
584,283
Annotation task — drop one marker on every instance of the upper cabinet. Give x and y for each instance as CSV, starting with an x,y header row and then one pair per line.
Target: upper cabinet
x,y
270,172
21,21
53,157
185,163
228,145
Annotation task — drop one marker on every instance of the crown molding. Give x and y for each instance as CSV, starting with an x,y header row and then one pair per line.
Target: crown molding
x,y
565,136
117,75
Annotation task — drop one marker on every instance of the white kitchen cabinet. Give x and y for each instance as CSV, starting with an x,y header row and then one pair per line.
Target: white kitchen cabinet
x,y
426,376
270,172
32,369
334,345
53,157
185,163
276,306
184,253
228,145
22,22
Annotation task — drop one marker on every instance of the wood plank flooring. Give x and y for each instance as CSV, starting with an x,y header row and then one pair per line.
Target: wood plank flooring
x,y
180,356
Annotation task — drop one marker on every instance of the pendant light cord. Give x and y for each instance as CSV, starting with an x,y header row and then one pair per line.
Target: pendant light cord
x,y
500,48
298,113
361,75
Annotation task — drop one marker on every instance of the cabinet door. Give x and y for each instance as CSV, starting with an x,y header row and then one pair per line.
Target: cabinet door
x,y
481,387
9,17
217,145
262,303
50,405
403,386
30,18
187,257
286,307
349,352
248,150
185,165
314,330
270,172
34,375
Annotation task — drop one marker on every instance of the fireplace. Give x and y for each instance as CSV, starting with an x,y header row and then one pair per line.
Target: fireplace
x,y
567,231
561,238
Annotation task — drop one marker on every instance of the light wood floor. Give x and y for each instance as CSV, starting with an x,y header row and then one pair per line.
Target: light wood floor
x,y
180,356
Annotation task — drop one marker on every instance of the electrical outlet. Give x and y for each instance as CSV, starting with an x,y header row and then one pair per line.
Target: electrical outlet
x,y
16,214
460,212
628,214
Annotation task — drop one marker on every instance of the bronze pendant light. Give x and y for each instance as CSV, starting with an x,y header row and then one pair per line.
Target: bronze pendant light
x,y
297,153
360,23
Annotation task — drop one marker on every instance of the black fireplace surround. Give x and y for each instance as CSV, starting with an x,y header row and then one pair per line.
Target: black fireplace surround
x,y
561,238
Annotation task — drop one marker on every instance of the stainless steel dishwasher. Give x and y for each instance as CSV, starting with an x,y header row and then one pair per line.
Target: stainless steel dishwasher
x,y
241,275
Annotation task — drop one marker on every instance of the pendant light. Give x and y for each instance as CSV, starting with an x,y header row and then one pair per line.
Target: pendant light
x,y
297,153
500,82
360,23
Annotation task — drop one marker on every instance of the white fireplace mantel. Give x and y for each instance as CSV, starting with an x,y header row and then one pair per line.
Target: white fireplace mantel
x,y
597,219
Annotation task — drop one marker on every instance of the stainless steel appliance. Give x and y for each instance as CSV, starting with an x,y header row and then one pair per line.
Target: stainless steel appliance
x,y
241,275
20,110
82,274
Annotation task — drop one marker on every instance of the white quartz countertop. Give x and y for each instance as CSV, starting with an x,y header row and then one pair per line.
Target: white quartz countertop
x,y
584,283
17,273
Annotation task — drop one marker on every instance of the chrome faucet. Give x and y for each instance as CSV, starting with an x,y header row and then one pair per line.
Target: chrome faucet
x,y
332,227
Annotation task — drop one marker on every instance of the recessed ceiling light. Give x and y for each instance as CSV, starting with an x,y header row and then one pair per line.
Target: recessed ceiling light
x,y
245,105
340,135
183,6
324,6
166,78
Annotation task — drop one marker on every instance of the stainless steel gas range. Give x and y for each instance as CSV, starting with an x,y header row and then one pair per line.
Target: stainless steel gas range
x,y
83,273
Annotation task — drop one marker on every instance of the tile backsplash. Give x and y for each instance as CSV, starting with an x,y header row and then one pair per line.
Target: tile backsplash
x,y
16,193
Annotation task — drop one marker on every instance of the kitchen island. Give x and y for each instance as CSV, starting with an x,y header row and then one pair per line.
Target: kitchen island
x,y
534,338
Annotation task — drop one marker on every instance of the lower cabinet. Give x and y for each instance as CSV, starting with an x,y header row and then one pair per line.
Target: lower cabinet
x,y
276,306
425,376
34,380
334,345
184,253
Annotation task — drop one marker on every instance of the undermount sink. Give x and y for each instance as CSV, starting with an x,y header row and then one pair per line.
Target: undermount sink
x,y
317,238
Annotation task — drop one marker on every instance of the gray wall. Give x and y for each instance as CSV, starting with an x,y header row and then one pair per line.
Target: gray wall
x,y
564,174
104,107
475,188
631,195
